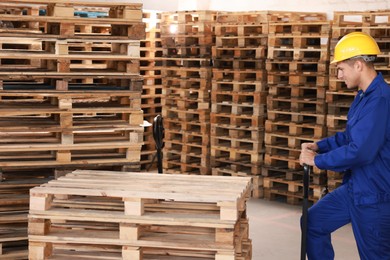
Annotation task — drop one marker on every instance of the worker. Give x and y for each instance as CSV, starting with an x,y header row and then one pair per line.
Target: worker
x,y
362,153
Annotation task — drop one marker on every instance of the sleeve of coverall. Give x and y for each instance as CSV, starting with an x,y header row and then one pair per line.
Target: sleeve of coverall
x,y
367,136
332,142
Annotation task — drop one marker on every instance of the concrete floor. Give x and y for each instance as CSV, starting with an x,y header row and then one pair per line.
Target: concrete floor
x,y
275,232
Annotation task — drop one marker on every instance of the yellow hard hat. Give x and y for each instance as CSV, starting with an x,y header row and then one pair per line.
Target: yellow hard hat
x,y
355,44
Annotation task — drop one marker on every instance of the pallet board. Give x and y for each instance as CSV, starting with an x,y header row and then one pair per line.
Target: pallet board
x,y
125,210
77,18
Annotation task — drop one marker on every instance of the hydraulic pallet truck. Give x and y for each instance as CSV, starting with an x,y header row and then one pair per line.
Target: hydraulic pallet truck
x,y
305,205
158,135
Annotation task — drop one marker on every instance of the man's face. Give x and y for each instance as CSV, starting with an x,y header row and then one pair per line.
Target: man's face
x,y
346,71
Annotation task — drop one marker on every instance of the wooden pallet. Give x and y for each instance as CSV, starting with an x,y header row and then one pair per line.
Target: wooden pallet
x,y
297,66
224,166
336,121
244,132
246,30
174,51
237,86
186,62
188,115
70,55
151,18
301,30
248,109
135,210
237,120
187,154
187,92
277,16
365,18
296,117
187,28
319,177
173,165
187,137
340,98
192,165
239,75
151,92
58,18
241,41
243,17
309,91
298,41
304,130
306,54
74,27
296,104
239,52
173,40
186,73
183,104
237,143
291,190
376,32
236,154
151,47
239,64
48,81
241,98
307,78
150,64
195,84
77,127
63,252
189,16
176,124
280,143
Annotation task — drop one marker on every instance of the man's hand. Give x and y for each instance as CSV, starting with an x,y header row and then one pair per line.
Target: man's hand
x,y
309,146
308,152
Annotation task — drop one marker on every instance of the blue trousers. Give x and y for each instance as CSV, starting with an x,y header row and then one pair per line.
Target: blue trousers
x,y
370,224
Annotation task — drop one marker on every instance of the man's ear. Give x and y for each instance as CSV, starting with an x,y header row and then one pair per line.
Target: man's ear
x,y
358,65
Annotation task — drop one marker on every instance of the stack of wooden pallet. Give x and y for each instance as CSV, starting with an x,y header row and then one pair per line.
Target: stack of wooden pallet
x,y
150,68
297,66
14,205
70,96
187,38
339,98
124,215
239,95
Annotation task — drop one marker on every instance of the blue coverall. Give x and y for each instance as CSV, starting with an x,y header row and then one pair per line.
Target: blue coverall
x,y
362,151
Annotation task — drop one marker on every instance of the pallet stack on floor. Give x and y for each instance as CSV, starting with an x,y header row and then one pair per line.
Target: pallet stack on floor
x,y
150,68
121,215
238,95
297,66
338,97
70,98
187,38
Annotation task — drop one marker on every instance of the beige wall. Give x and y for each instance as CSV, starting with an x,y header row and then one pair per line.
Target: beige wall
x,y
327,6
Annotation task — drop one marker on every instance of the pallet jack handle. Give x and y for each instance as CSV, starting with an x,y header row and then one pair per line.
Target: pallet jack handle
x,y
306,179
158,135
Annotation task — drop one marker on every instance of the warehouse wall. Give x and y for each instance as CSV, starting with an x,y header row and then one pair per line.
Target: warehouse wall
x,y
327,6
302,5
